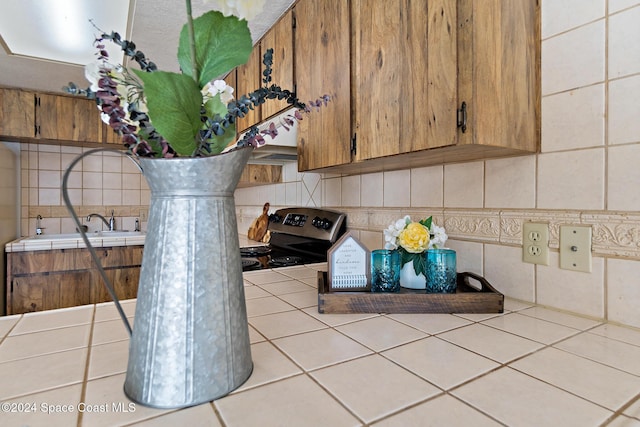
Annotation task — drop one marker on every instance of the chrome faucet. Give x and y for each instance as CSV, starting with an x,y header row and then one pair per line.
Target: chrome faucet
x,y
111,223
38,225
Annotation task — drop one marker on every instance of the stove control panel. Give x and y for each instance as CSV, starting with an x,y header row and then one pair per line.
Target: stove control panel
x,y
295,220
322,223
308,222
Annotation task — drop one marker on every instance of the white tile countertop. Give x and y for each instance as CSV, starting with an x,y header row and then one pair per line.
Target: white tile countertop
x,y
97,239
530,366
74,240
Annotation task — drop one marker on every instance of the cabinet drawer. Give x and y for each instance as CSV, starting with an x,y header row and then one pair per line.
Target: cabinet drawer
x,y
119,256
42,261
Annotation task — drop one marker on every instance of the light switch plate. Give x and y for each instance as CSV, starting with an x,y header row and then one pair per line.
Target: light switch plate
x,y
535,243
575,247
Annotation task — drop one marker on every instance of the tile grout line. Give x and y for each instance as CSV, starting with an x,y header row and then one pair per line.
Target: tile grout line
x,y
85,377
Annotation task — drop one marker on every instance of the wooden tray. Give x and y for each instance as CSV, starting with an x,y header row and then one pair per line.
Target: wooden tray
x,y
467,299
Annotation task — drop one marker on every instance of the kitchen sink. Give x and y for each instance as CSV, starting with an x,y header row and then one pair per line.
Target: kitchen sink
x,y
97,234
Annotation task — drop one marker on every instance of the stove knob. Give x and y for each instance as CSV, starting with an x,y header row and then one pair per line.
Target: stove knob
x,y
316,222
326,224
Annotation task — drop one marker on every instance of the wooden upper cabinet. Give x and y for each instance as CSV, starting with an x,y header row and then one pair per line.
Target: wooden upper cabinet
x,y
247,81
17,113
499,73
68,118
35,116
280,39
109,136
405,76
412,65
322,57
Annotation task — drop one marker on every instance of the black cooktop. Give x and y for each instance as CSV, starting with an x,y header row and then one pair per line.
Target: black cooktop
x,y
260,257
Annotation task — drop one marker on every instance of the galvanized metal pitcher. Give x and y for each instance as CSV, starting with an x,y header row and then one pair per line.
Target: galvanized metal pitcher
x,y
190,341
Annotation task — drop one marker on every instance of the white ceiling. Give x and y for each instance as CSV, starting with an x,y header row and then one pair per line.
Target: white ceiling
x,y
155,30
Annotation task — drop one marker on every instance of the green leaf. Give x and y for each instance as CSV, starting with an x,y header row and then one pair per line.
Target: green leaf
x,y
419,261
174,102
427,222
222,43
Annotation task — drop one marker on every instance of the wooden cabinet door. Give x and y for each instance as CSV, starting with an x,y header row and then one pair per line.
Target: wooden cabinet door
x,y
47,292
68,119
499,72
280,39
124,280
17,113
322,49
33,293
109,136
405,76
122,266
247,81
75,289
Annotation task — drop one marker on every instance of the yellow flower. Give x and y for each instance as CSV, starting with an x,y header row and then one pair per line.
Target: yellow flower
x,y
414,238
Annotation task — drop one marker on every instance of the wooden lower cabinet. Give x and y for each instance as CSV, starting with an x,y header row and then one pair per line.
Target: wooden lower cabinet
x,y
47,292
124,280
59,278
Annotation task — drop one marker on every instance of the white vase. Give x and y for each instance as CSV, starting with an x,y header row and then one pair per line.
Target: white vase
x,y
409,279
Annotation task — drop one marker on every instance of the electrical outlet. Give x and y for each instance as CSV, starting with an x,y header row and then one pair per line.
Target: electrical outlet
x,y
143,215
575,248
535,243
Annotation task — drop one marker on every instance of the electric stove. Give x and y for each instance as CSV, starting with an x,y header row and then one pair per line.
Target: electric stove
x,y
299,236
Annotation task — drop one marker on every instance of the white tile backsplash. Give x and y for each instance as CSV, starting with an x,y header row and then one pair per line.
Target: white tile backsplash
x,y
427,186
92,163
617,5
397,188
624,110
624,177
332,192
510,182
48,160
623,291
560,16
373,193
624,50
469,255
571,180
463,185
574,59
351,190
507,273
575,291
573,119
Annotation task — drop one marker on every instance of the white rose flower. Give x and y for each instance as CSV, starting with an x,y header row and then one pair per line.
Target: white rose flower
x,y
215,87
392,232
225,91
439,237
243,9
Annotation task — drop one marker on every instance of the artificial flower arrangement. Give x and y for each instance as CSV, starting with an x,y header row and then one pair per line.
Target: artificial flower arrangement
x,y
192,113
412,239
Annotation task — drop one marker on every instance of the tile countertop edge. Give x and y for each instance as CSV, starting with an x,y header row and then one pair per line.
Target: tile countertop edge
x,y
30,243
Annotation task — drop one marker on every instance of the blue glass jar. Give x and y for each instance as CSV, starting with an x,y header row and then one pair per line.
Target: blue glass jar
x,y
385,271
441,271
